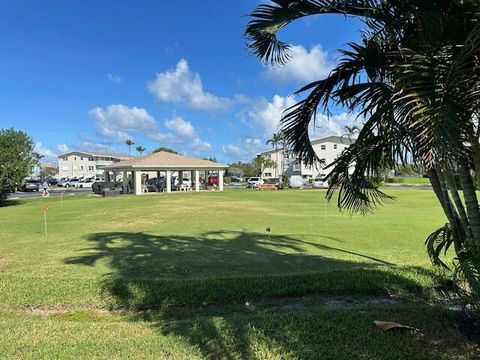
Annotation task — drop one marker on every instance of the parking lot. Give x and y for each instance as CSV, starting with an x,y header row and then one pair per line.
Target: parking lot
x,y
52,191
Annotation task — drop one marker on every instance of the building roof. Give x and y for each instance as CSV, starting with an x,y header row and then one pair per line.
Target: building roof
x,y
164,160
98,153
332,138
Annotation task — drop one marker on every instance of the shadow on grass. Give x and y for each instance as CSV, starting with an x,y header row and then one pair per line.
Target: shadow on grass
x,y
9,202
179,275
152,271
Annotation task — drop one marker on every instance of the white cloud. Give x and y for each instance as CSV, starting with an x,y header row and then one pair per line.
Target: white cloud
x,y
48,153
116,120
182,86
163,137
303,66
267,115
233,149
332,125
115,79
199,145
244,150
63,148
180,127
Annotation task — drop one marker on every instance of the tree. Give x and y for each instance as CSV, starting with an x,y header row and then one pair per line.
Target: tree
x,y
260,163
165,149
350,132
275,141
17,158
414,77
235,171
129,143
140,150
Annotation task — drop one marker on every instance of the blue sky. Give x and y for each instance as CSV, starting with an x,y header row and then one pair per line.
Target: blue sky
x,y
89,74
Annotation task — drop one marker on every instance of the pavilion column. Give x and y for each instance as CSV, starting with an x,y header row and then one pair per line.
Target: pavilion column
x,y
138,182
125,182
180,178
220,180
168,179
197,180
115,176
107,175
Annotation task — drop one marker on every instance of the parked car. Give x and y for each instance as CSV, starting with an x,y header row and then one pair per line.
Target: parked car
x,y
254,182
71,182
296,182
99,187
31,185
51,181
236,179
275,181
155,185
88,183
320,183
186,181
62,182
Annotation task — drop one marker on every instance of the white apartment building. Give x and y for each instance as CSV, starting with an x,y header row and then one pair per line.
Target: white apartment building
x,y
86,163
327,149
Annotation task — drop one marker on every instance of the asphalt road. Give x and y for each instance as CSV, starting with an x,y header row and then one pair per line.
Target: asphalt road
x,y
53,192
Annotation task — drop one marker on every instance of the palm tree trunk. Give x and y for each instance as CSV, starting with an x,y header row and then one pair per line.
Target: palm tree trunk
x,y
276,155
441,192
452,186
471,201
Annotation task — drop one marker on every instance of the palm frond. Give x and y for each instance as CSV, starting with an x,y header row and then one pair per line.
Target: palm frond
x,y
268,19
437,242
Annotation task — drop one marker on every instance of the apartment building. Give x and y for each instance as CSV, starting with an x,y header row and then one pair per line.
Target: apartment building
x,y
86,163
327,149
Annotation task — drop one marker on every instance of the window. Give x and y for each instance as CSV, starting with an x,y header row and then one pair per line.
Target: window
x,y
90,168
81,168
65,159
268,174
323,147
335,146
296,165
81,158
323,160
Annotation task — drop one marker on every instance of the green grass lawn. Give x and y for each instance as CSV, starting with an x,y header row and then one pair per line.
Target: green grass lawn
x,y
212,249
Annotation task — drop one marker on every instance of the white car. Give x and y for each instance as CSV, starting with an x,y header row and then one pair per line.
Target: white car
x,y
254,182
186,182
296,182
72,182
85,183
320,183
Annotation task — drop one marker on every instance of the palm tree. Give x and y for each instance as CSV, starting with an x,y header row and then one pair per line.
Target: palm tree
x,y
140,150
350,133
275,141
413,76
129,143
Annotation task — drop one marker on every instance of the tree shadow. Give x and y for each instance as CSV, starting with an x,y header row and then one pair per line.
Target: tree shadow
x,y
151,271
10,202
182,276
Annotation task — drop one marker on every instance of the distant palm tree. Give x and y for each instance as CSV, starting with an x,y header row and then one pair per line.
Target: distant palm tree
x,y
350,132
275,141
129,143
140,150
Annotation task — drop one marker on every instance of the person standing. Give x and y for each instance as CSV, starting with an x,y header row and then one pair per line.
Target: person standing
x,y
45,188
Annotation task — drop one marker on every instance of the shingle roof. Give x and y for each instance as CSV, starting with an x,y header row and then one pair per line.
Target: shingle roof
x,y
164,159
